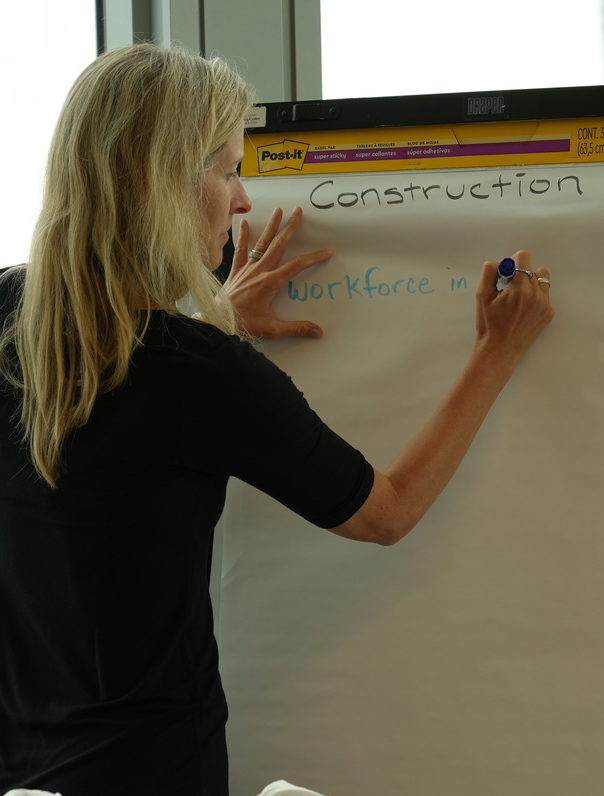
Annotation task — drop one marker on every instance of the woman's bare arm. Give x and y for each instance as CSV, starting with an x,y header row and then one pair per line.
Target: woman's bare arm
x,y
507,324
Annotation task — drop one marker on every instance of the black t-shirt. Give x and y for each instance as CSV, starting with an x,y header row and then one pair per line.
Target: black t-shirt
x,y
109,680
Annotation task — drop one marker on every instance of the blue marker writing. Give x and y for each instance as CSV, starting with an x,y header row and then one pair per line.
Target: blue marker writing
x,y
505,272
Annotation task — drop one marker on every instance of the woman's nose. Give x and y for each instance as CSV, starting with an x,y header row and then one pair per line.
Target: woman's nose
x,y
241,201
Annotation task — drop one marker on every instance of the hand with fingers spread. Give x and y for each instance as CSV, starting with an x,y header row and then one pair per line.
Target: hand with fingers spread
x,y
257,275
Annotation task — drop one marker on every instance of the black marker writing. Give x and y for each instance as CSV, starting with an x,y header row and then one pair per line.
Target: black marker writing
x,y
325,195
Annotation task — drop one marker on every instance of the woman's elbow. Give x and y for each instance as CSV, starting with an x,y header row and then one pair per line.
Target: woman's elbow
x,y
383,519
374,530
390,535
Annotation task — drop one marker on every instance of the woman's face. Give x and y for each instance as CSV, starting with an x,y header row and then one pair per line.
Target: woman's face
x,y
224,195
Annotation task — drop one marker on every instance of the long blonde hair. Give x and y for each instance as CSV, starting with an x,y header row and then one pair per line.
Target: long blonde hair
x,y
121,231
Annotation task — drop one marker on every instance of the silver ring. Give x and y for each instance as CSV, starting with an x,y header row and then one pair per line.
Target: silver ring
x,y
530,274
544,280
255,254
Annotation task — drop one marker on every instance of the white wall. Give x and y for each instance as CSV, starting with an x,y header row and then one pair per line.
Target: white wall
x,y
45,46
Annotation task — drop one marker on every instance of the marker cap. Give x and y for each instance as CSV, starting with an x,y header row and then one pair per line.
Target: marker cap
x,y
507,267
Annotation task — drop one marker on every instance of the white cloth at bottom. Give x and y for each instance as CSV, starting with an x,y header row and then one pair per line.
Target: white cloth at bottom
x,y
283,788
22,792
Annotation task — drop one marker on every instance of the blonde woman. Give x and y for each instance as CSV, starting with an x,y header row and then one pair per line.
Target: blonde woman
x,y
121,421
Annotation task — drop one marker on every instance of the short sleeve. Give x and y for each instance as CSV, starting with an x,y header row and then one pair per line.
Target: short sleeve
x,y
270,438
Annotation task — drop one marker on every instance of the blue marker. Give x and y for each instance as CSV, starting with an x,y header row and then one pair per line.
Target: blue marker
x,y
505,272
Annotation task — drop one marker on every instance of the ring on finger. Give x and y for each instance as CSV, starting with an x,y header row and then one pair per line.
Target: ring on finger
x,y
255,254
544,280
525,271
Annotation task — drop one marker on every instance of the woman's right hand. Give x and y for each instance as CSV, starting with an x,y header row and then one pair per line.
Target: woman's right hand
x,y
510,320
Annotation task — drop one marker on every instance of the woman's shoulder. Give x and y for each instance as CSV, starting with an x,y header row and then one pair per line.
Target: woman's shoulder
x,y
11,284
12,274
193,339
197,349
181,332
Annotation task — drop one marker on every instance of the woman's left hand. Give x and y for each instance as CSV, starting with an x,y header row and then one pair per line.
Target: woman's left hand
x,y
253,283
